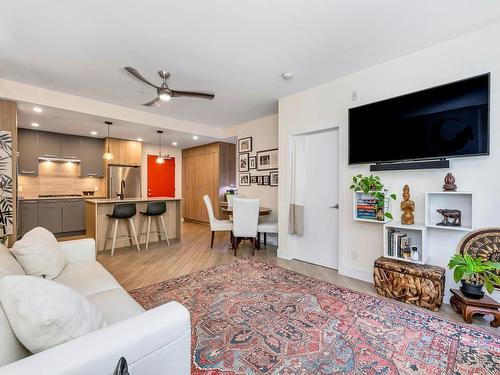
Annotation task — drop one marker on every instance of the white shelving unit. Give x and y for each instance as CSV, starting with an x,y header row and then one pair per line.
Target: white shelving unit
x,y
358,195
455,200
418,235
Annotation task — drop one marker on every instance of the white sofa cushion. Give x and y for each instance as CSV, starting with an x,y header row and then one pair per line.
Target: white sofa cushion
x,y
39,253
9,264
87,278
115,305
44,313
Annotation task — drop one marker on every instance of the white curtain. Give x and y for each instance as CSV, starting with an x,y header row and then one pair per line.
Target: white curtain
x,y
297,185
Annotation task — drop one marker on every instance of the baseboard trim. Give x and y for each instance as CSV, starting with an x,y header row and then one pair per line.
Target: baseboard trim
x,y
284,254
356,273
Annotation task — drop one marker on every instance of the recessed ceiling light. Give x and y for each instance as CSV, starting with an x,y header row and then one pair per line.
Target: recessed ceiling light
x,y
37,109
35,124
174,143
195,137
287,76
139,139
93,132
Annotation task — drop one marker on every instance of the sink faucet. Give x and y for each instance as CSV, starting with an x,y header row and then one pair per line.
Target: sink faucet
x,y
121,194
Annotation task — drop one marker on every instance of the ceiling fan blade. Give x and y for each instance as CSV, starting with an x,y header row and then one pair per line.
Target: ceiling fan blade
x,y
150,103
137,75
192,94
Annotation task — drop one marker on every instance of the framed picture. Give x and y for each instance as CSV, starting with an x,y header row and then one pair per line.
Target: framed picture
x,y
260,180
244,179
245,144
267,159
252,162
243,163
253,179
265,180
273,176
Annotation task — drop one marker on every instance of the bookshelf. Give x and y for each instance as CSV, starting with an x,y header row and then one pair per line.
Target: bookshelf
x,y
359,196
416,232
459,200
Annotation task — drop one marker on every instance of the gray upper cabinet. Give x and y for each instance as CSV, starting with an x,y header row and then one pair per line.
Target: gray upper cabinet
x,y
92,164
49,145
28,157
50,215
70,146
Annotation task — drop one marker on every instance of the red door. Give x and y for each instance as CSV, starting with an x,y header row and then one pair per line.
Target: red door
x,y
161,177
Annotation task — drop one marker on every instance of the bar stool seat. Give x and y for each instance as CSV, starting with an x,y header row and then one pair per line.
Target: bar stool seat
x,y
121,211
154,209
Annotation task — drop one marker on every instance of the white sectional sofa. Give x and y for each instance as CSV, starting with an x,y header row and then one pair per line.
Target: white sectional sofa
x,y
157,341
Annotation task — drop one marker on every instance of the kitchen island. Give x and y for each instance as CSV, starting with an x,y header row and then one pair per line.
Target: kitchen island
x,y
96,222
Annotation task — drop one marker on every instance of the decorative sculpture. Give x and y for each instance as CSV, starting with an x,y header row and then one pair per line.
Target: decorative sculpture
x,y
449,183
454,215
408,207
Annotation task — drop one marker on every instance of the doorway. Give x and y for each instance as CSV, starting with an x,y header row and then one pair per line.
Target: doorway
x,y
319,243
161,177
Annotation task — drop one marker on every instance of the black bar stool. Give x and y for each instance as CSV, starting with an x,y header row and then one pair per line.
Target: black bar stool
x,y
121,211
154,209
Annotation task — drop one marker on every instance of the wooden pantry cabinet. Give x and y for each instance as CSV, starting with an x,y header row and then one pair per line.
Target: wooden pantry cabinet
x,y
208,169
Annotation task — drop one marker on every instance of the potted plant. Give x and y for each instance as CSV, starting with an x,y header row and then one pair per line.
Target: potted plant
x,y
373,186
474,273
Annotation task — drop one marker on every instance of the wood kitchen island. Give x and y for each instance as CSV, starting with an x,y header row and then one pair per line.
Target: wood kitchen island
x,y
96,222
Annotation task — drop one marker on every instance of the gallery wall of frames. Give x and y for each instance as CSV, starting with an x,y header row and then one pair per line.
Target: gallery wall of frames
x,y
256,167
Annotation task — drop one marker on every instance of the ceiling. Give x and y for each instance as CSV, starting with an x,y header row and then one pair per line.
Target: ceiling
x,y
69,122
237,49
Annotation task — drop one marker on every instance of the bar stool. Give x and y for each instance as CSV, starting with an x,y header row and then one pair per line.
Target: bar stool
x,y
154,209
121,211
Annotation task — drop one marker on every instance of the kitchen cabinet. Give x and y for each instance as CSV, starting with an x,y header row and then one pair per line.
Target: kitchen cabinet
x,y
70,146
29,215
73,215
92,163
125,152
28,154
49,145
50,215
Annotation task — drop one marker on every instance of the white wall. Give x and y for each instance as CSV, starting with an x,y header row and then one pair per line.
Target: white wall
x,y
148,149
327,105
264,133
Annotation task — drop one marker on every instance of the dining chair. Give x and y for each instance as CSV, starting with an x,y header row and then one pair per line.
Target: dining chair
x,y
267,227
216,225
245,221
230,198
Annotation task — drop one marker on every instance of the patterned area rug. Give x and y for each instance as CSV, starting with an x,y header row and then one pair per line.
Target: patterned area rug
x,y
254,318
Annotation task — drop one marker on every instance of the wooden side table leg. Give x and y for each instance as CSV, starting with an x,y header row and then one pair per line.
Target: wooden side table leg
x,y
455,305
468,312
496,322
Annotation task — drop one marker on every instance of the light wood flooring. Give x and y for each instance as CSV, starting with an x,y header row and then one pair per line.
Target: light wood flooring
x,y
135,269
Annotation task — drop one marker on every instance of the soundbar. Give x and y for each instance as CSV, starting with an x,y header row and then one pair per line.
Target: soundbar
x,y
432,164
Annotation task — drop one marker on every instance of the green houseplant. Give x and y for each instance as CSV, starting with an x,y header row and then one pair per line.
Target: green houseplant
x,y
474,273
372,186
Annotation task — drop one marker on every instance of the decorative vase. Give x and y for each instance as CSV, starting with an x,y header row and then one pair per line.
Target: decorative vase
x,y
474,291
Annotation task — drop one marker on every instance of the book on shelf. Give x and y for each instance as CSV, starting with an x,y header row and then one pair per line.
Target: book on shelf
x,y
396,243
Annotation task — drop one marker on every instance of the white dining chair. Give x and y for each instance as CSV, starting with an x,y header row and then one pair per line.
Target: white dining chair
x,y
267,227
230,198
216,225
245,221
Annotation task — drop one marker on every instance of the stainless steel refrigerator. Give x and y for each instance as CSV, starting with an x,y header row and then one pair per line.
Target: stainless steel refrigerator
x,y
123,178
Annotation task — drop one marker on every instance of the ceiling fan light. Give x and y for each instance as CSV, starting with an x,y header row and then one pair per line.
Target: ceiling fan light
x,y
160,160
165,96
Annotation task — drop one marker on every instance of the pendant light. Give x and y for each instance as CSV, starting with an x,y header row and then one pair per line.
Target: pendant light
x,y
108,155
159,159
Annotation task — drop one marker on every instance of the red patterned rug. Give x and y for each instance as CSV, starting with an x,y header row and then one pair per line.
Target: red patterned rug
x,y
254,318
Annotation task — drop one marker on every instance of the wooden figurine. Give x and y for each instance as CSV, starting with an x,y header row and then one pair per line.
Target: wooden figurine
x,y
449,183
408,207
454,215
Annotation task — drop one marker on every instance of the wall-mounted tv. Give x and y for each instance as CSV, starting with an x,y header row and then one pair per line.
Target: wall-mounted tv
x,y
447,121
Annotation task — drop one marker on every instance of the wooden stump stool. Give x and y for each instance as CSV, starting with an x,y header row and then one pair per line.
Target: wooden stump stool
x,y
469,307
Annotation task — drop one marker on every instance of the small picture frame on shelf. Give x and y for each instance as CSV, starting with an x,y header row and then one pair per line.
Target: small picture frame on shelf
x,y
245,144
244,179
243,163
253,179
273,178
265,180
260,180
267,159
252,162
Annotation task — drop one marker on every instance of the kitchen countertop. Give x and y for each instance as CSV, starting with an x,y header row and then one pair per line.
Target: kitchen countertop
x,y
118,200
57,198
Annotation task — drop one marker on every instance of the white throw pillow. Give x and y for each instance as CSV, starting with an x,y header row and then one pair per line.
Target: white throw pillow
x,y
39,253
44,313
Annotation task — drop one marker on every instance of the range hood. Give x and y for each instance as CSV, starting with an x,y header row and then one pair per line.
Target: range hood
x,y
56,159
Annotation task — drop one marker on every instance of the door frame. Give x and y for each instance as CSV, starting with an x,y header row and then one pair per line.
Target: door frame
x,y
340,263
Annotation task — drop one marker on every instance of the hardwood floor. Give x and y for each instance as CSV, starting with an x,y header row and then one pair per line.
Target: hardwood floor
x,y
135,269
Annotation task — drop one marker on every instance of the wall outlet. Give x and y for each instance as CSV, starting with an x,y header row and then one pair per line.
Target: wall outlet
x,y
354,96
354,255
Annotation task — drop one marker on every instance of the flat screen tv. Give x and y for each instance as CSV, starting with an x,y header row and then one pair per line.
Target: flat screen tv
x,y
447,121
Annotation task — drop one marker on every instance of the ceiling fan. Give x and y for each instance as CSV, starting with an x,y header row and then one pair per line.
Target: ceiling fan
x,y
164,93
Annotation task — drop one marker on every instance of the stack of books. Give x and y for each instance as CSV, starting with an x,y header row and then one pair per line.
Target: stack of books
x,y
397,243
366,208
